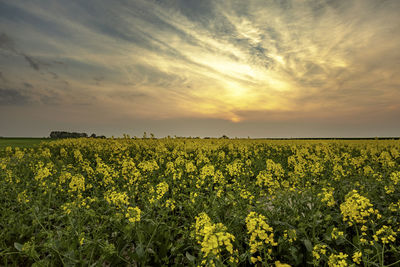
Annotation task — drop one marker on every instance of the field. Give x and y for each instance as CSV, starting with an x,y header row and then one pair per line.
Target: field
x,y
21,142
190,202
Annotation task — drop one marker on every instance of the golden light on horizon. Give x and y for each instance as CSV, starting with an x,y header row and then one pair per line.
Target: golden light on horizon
x,y
235,119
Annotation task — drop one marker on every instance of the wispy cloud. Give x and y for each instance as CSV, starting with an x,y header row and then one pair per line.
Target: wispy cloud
x,y
12,97
7,43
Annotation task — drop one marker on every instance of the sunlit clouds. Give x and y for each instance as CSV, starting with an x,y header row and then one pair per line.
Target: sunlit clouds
x,y
254,62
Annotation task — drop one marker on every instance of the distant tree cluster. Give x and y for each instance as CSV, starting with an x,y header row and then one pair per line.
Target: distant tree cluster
x,y
62,134
222,137
97,136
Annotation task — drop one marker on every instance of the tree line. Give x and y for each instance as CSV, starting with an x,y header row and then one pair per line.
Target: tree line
x,y
63,134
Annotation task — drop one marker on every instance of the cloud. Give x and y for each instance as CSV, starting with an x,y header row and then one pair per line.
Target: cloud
x,y
231,60
28,85
2,77
31,62
7,43
12,97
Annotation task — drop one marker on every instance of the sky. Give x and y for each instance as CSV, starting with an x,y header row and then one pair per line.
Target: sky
x,y
287,68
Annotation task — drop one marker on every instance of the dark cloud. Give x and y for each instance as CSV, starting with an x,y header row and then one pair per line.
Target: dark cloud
x,y
31,62
2,77
7,43
98,78
12,97
28,85
203,12
55,76
50,97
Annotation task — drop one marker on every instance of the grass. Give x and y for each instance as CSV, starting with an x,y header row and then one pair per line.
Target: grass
x,y
21,142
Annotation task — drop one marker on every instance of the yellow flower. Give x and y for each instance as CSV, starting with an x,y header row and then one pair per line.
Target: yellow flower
x,y
22,197
279,264
336,233
170,203
338,260
290,235
386,234
356,208
116,198
213,238
327,196
161,189
133,214
357,257
319,250
261,234
77,183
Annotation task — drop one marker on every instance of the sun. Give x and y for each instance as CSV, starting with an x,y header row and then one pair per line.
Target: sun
x,y
235,119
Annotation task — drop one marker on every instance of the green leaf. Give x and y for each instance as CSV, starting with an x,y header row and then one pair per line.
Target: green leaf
x,y
140,251
308,245
355,240
18,246
190,257
150,251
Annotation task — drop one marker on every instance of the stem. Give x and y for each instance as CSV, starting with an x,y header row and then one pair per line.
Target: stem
x,y
37,219
47,232
359,248
351,243
394,263
48,211
91,256
154,232
59,255
123,259
358,234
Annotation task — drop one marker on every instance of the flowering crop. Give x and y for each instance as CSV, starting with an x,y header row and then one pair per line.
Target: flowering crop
x,y
192,202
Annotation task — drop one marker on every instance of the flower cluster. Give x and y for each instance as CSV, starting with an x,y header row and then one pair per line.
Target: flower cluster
x,y
161,189
159,192
357,208
213,239
385,234
338,260
261,234
133,214
22,197
336,233
290,235
318,250
77,183
327,196
116,198
357,257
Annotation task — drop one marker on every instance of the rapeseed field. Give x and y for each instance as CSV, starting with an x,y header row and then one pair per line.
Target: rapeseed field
x,y
193,202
